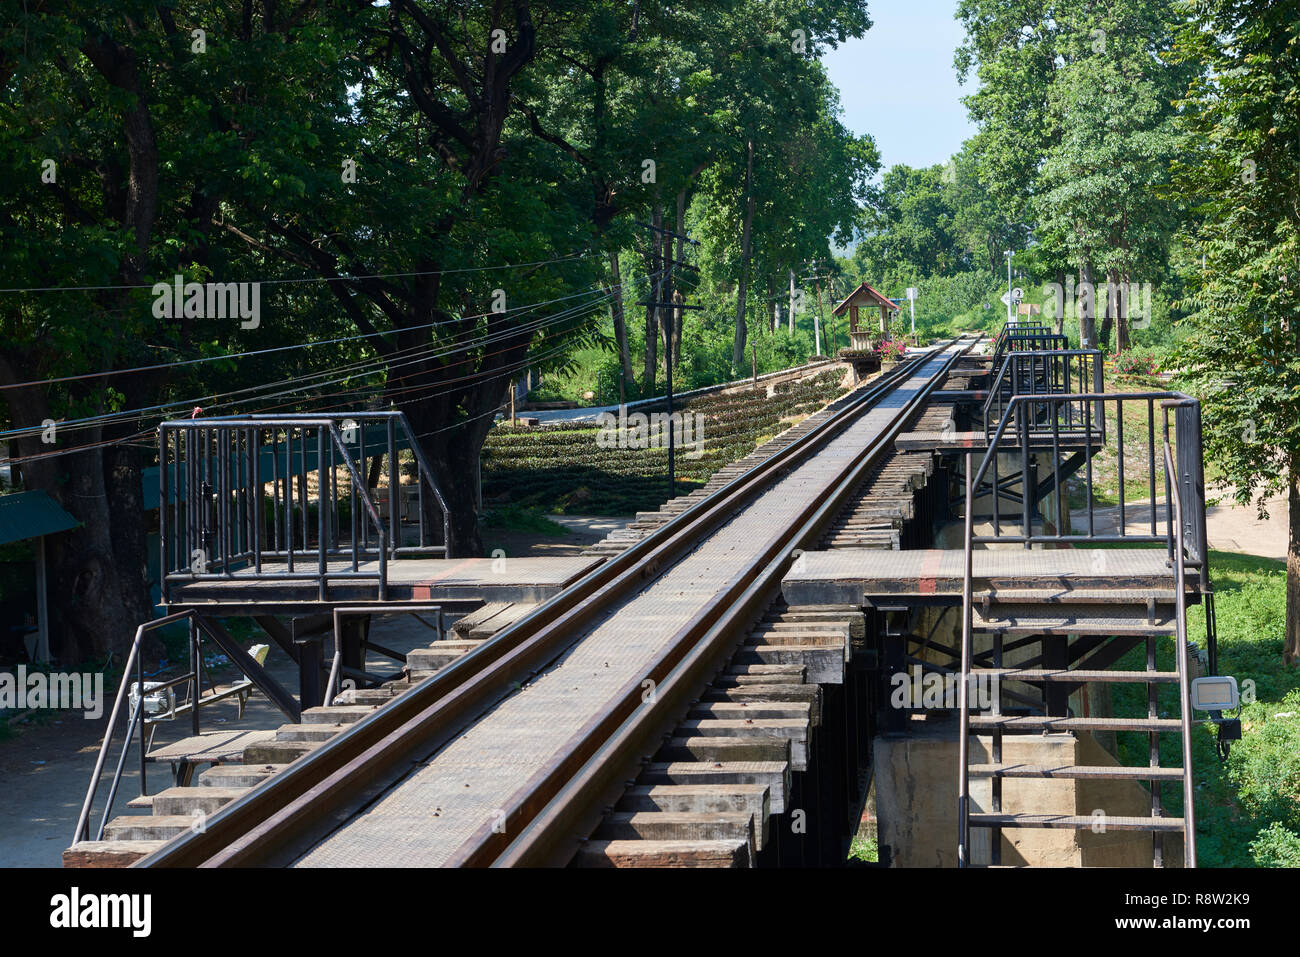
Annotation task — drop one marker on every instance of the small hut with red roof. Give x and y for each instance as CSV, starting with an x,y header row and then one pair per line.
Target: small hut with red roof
x,y
864,338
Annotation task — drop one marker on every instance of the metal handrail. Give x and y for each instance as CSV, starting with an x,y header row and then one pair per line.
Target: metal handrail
x,y
1025,332
224,458
1054,363
963,693
133,658
336,666
1180,622
1181,550
1189,453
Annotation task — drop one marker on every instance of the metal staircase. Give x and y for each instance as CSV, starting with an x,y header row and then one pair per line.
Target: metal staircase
x,y
1069,638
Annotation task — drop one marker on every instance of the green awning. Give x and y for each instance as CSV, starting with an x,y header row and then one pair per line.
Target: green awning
x,y
25,515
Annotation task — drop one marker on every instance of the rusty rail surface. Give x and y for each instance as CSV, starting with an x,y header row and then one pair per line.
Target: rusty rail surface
x,y
276,821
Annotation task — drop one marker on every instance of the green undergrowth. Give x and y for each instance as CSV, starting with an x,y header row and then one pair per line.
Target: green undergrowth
x,y
1248,807
864,849
515,518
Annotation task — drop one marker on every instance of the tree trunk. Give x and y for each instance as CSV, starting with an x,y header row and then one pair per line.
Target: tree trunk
x,y
738,353
1088,316
678,298
96,573
620,323
790,317
654,272
1122,339
1060,318
1291,651
1111,306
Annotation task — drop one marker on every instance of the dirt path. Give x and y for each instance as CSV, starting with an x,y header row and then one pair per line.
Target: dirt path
x,y
1231,528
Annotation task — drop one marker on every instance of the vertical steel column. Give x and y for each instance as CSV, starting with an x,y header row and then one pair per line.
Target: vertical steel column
x,y
258,512
321,482
963,726
394,491
164,559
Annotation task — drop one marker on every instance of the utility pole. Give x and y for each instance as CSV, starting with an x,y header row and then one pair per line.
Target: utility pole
x,y
790,317
816,280
661,308
1008,285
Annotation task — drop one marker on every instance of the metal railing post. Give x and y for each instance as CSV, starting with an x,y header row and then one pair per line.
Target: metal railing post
x,y
963,727
1180,624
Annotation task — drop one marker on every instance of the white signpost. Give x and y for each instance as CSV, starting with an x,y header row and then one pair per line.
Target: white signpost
x,y
1012,298
911,304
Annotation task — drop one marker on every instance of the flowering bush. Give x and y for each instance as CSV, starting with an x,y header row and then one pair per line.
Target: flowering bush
x,y
1134,363
891,350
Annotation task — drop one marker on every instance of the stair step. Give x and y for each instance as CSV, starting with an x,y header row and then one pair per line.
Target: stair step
x,y
439,654
676,826
1077,822
724,750
1081,674
742,710
1067,595
336,714
185,801
698,799
108,853
1073,620
278,752
1104,772
664,854
1036,722
370,696
150,827
773,775
307,732
236,775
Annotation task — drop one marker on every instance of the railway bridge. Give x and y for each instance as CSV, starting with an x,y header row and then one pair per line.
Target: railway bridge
x,y
962,586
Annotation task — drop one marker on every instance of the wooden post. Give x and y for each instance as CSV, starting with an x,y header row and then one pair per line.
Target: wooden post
x,y
42,605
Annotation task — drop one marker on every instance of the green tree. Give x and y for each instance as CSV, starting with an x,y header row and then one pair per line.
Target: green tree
x,y
1103,186
1242,171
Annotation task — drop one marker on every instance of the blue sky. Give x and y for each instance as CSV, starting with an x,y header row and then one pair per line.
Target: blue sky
x,y
898,84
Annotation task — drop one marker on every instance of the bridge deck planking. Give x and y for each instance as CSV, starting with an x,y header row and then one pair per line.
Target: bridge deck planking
x,y
427,817
506,579
847,574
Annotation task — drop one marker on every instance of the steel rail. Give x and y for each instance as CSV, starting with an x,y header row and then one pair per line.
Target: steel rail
x,y
545,822
296,806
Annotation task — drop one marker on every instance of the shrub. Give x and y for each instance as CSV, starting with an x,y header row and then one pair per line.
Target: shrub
x,y
1135,363
1275,846
891,350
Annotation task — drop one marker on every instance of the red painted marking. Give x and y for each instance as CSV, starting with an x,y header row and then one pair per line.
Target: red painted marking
x,y
928,579
454,568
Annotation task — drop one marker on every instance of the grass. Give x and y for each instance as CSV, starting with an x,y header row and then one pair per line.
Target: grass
x,y
864,849
1105,464
1248,807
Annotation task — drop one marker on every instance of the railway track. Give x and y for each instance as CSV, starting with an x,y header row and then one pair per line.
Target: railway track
x,y
511,753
